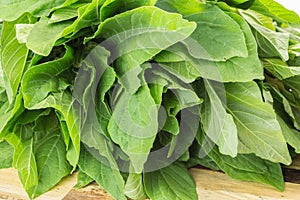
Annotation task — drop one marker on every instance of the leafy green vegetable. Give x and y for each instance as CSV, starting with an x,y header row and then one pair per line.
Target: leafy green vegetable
x,y
13,57
12,10
63,14
291,135
244,166
134,187
88,14
217,124
126,39
42,148
280,69
167,183
256,119
275,10
209,29
131,93
140,111
43,36
236,69
7,152
271,43
108,178
83,180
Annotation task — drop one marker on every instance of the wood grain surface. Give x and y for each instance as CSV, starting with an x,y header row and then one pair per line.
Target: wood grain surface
x,y
211,185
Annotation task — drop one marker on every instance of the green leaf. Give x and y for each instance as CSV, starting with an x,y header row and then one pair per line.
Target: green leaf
x,y
276,11
134,188
285,102
88,15
6,157
2,86
179,62
217,124
6,113
258,130
183,95
242,167
291,91
24,160
113,7
167,183
244,4
43,36
205,162
271,43
158,31
215,25
42,79
258,19
134,125
11,10
243,68
293,83
49,93
22,32
63,102
295,50
63,14
83,180
178,97
176,60
13,57
212,25
93,81
107,177
185,7
50,154
105,85
291,135
64,130
9,114
249,168
42,148
280,69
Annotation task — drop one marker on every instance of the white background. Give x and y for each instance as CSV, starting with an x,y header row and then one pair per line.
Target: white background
x,y
291,4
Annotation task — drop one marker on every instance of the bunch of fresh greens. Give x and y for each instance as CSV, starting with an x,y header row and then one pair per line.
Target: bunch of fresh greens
x,y
132,93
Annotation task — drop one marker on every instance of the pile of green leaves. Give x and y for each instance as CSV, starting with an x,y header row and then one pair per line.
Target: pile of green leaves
x,y
83,84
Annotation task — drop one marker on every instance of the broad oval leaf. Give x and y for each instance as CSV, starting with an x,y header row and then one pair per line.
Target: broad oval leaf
x,y
167,183
217,123
276,11
6,157
280,69
13,57
11,10
107,177
42,79
214,25
270,42
178,61
111,8
134,125
39,151
136,36
43,36
258,130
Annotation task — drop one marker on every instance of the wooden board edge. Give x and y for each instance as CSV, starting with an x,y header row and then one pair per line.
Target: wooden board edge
x,y
211,185
11,187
